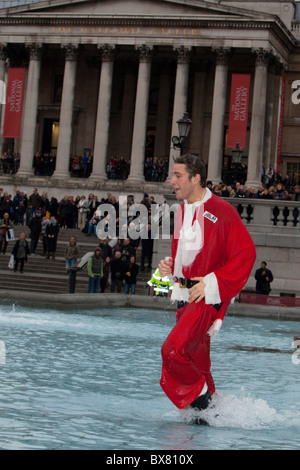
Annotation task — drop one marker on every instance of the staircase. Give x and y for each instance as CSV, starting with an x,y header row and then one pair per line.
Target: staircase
x,y
50,276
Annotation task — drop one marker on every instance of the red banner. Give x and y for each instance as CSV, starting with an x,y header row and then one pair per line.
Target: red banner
x,y
14,102
238,111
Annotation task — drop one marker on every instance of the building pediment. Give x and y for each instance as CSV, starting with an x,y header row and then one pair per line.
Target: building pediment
x,y
146,9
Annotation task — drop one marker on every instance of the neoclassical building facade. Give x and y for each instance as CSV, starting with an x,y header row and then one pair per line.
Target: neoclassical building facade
x,y
112,78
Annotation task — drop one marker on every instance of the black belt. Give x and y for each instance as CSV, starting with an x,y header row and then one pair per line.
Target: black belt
x,y
184,282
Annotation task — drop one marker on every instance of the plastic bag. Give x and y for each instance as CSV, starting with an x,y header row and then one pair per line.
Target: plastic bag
x,y
10,235
11,262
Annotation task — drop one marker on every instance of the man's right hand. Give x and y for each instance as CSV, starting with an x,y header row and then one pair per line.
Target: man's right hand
x,y
165,266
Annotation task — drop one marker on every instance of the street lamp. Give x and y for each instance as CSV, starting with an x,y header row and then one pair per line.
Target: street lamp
x,y
237,153
184,125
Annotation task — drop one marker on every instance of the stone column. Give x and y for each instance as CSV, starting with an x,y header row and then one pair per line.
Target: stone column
x,y
140,116
199,95
215,154
258,115
2,63
180,99
3,76
66,113
103,113
161,146
127,117
27,149
279,70
269,119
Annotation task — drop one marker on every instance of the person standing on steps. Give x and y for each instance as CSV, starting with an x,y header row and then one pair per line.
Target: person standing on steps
x,y
211,259
72,253
35,225
51,233
5,225
95,271
131,275
20,252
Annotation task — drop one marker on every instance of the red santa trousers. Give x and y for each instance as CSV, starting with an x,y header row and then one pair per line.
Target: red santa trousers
x,y
186,354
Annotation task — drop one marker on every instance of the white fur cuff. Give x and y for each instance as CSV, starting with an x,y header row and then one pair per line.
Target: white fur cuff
x,y
212,294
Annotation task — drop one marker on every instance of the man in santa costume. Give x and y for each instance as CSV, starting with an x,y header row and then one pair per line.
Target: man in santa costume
x,y
212,257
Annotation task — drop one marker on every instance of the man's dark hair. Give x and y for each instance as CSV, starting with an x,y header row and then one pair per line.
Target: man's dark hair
x,y
194,166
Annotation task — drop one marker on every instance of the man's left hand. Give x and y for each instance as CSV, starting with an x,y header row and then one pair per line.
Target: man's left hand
x,y
197,291
215,327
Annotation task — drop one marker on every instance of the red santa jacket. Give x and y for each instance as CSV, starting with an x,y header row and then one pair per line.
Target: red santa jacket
x,y
227,249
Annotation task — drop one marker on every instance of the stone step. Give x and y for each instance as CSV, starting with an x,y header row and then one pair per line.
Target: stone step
x,y
26,284
48,275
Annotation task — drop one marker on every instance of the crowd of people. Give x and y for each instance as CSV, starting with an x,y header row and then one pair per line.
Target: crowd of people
x,y
112,266
114,261
273,184
117,168
9,162
278,191
234,175
156,169
44,164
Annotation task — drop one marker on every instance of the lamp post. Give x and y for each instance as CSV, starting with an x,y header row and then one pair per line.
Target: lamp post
x,y
184,125
237,153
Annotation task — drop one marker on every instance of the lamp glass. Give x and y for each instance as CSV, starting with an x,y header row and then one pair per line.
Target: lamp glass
x,y
184,125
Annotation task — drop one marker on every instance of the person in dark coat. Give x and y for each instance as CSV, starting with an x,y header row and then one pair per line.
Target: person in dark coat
x,y
263,278
147,250
6,205
5,225
35,225
66,212
130,276
106,272
53,207
118,268
106,249
51,233
127,250
20,252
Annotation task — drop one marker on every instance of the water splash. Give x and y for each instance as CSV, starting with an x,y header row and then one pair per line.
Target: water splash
x,y
243,412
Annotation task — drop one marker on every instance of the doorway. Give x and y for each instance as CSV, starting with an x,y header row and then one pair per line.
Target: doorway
x,y
50,136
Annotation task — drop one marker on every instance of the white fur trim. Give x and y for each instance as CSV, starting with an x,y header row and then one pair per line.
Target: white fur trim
x,y
180,293
212,294
215,327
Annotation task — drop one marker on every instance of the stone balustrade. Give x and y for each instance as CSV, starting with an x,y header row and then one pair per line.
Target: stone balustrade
x,y
268,212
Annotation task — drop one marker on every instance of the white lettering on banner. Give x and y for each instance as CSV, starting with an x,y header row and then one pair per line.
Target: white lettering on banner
x,y
295,95
240,104
15,97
